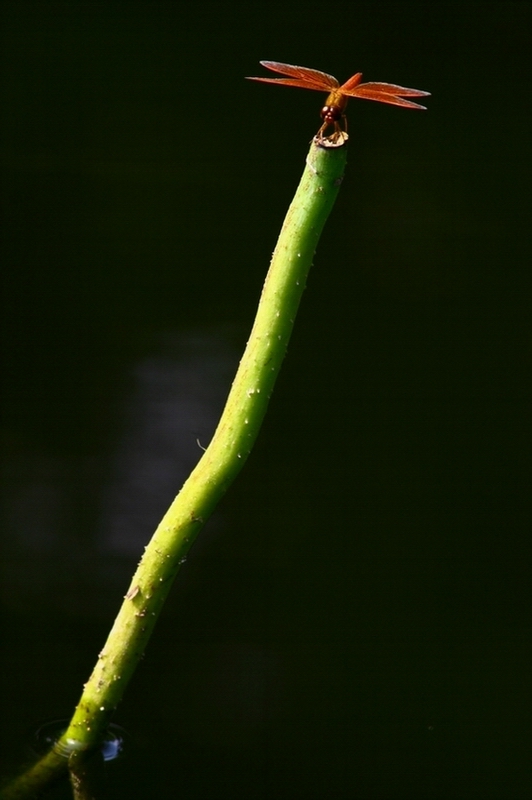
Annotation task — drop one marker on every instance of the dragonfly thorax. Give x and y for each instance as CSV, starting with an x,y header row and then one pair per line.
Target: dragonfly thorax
x,y
334,107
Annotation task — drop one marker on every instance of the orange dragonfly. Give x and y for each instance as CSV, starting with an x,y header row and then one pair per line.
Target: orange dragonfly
x,y
334,109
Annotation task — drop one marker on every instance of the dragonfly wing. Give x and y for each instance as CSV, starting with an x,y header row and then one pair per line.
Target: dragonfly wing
x,y
310,78
388,93
289,82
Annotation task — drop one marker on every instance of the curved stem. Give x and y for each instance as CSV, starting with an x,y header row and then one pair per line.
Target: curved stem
x,y
222,461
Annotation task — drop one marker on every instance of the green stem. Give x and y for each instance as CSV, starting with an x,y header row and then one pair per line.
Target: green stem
x,y
222,461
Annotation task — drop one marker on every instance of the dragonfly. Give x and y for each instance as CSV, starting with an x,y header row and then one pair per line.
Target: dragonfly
x,y
333,112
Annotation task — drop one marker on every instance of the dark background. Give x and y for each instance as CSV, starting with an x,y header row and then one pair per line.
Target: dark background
x,y
353,623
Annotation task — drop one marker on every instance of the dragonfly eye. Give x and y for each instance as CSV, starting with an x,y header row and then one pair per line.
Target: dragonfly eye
x,y
331,113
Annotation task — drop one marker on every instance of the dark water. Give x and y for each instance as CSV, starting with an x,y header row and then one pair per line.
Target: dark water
x,y
353,621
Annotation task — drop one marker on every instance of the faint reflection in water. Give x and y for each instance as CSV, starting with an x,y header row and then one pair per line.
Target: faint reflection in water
x,y
177,400
75,521
48,733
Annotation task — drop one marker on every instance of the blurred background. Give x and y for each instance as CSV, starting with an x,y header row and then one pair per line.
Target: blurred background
x,y
354,620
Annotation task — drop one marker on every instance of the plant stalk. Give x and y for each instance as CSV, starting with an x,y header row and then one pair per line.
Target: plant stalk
x,y
222,461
